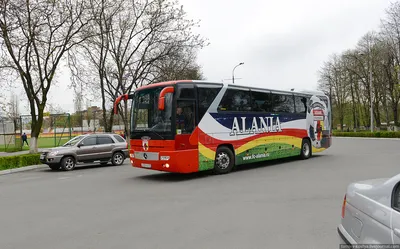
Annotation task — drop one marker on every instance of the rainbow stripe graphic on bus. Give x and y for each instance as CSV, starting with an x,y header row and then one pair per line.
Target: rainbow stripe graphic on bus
x,y
258,138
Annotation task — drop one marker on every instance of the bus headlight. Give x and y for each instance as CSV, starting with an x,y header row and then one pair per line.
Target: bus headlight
x,y
164,158
132,155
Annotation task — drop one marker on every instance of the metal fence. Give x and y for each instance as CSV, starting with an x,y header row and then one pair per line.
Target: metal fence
x,y
56,129
10,134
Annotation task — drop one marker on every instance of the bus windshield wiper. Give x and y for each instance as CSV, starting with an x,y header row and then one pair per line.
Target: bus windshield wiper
x,y
150,130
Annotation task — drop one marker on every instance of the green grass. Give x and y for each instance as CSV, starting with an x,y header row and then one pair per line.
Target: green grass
x,y
43,142
274,151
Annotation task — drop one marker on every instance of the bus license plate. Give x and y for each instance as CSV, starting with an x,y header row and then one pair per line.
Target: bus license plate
x,y
146,165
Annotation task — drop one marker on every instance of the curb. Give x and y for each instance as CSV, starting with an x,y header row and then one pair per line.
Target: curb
x,y
16,170
371,138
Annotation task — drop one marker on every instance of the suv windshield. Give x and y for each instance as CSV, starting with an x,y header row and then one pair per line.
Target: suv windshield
x,y
145,113
73,141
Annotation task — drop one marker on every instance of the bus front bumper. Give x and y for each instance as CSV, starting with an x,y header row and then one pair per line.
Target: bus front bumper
x,y
172,161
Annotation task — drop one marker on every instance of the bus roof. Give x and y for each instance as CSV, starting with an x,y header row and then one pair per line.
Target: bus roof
x,y
165,83
307,92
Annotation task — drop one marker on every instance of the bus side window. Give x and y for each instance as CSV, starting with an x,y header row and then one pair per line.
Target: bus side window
x,y
235,100
261,101
206,97
301,103
282,103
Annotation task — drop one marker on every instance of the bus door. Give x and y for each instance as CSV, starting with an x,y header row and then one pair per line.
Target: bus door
x,y
185,116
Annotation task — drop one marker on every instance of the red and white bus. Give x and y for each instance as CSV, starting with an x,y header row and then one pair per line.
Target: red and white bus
x,y
190,126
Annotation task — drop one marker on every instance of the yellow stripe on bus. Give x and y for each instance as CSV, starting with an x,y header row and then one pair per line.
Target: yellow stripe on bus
x,y
316,150
210,154
269,140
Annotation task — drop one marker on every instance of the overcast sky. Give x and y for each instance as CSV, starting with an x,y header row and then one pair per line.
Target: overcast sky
x,y
282,43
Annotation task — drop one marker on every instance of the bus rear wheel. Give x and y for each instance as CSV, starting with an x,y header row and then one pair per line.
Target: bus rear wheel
x,y
305,149
224,160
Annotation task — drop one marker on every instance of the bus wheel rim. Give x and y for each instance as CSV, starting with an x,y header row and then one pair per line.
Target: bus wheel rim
x,y
223,160
306,149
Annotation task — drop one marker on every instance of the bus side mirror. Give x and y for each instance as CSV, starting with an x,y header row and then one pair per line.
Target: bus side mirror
x,y
161,99
124,96
121,97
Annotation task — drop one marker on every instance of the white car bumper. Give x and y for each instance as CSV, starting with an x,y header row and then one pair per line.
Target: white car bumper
x,y
344,237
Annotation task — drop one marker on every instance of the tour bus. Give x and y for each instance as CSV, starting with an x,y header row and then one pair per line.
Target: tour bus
x,y
190,126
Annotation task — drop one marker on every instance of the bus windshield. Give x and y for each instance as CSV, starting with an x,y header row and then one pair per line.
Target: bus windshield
x,y
145,113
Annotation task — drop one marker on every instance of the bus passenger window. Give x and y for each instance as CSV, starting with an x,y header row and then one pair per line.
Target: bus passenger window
x,y
206,97
261,101
301,104
282,103
185,116
235,100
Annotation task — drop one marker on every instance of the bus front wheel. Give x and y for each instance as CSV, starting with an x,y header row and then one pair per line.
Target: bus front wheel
x,y
305,149
224,160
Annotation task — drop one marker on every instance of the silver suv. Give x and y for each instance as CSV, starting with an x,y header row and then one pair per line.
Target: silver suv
x,y
87,149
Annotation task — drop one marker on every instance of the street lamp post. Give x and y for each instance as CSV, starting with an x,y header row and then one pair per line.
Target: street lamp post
x,y
233,72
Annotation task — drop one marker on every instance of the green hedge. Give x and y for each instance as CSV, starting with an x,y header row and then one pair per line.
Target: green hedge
x,y
382,134
11,162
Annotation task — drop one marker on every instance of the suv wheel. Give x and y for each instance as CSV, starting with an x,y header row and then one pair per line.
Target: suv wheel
x,y
68,163
117,159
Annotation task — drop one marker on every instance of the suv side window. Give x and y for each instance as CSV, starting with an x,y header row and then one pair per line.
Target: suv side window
x,y
119,138
89,141
104,140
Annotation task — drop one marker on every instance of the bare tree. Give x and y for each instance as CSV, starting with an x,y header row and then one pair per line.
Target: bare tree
x,y
333,79
179,66
390,32
36,36
133,38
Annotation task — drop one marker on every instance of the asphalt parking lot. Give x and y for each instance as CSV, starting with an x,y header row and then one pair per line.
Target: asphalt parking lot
x,y
286,204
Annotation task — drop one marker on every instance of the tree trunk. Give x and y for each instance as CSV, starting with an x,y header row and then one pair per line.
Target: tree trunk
x,y
111,121
377,117
395,114
33,145
353,107
385,106
367,114
37,122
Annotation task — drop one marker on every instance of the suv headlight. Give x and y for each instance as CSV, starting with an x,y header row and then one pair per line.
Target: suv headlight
x,y
53,153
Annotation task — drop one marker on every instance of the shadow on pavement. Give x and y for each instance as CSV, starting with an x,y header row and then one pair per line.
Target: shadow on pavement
x,y
275,162
175,177
82,167
172,177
